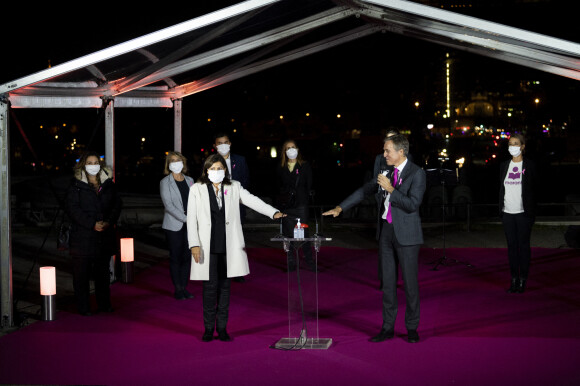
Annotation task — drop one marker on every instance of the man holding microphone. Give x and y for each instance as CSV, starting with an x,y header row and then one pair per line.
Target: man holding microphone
x,y
399,232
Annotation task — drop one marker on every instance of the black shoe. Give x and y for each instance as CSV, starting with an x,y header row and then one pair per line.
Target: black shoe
x,y
179,295
85,313
105,309
514,286
187,294
207,336
224,337
412,336
240,279
383,335
522,286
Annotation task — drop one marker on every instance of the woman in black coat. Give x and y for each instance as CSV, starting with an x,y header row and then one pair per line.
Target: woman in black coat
x,y
517,210
294,184
94,206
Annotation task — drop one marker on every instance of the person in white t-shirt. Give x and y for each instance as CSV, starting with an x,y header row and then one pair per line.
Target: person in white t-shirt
x,y
517,210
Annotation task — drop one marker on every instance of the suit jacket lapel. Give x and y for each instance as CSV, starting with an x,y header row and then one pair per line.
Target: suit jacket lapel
x,y
175,190
407,171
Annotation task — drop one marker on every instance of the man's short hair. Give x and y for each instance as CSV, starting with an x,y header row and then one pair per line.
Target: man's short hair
x,y
220,134
399,142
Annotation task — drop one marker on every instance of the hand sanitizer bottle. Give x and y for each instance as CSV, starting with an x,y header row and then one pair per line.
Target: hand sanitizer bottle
x,y
298,231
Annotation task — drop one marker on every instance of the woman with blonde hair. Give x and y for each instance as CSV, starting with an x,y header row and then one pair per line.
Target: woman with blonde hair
x,y
294,184
174,190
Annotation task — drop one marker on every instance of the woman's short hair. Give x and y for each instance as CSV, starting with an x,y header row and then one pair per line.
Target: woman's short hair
x,y
209,161
170,154
284,159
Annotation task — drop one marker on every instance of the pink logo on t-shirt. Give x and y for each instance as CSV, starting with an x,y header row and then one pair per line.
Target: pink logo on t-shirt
x,y
515,175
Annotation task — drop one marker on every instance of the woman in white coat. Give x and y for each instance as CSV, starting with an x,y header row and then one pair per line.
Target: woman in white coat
x,y
174,190
216,240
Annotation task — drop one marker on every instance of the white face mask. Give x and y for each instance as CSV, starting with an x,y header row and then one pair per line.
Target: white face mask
x,y
515,151
176,167
92,169
216,176
292,153
223,149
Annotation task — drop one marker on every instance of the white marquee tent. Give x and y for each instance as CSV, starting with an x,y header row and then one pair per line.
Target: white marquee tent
x,y
161,68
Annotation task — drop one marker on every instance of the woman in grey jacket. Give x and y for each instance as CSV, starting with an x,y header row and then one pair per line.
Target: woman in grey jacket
x,y
174,194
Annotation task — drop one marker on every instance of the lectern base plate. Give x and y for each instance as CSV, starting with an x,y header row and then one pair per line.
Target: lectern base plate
x,y
310,343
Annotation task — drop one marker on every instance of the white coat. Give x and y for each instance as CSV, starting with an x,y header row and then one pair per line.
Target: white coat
x,y
199,227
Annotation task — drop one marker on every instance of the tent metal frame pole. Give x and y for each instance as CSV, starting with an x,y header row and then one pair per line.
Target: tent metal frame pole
x,y
177,124
110,136
6,287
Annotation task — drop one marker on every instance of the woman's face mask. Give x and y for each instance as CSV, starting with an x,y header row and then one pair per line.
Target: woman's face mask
x,y
176,167
216,176
292,153
92,169
515,150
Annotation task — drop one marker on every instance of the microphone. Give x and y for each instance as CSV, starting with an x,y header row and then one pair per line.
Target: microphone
x,y
316,222
384,172
281,226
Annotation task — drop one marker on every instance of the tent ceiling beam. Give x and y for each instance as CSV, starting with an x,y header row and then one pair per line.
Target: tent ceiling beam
x,y
209,82
127,84
496,46
155,59
494,29
248,44
140,42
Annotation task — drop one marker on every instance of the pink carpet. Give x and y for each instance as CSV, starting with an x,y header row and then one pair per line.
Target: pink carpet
x,y
472,332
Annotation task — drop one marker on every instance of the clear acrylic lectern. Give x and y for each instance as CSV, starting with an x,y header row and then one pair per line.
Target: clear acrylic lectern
x,y
302,299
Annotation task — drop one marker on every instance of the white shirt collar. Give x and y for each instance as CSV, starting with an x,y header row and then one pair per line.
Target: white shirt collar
x,y
402,165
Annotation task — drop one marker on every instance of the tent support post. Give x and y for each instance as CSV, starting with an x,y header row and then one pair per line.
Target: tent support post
x,y
177,124
110,136
6,295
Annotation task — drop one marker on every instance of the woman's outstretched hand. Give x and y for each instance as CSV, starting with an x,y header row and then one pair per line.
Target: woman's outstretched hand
x,y
278,215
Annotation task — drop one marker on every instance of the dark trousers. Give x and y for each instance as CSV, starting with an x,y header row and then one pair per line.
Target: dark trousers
x,y
179,257
408,255
288,224
83,269
518,231
216,294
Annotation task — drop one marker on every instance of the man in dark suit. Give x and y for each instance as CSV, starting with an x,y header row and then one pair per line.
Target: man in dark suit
x,y
236,163
380,167
399,194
